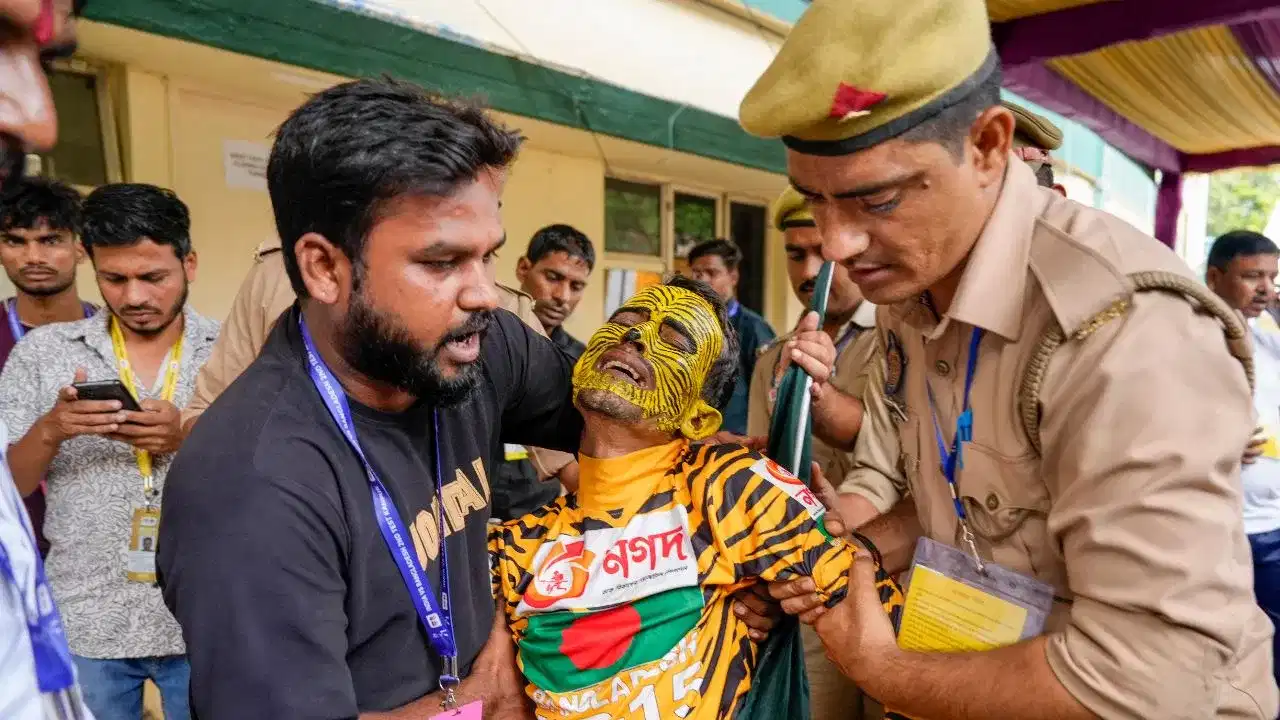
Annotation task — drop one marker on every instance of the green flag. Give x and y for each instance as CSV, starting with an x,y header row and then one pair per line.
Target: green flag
x,y
780,688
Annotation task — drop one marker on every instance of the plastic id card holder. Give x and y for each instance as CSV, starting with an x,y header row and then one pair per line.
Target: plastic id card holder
x,y
1271,448
141,557
512,452
470,711
952,606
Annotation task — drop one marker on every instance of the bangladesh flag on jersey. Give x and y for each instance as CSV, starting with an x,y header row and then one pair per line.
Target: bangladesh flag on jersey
x,y
567,651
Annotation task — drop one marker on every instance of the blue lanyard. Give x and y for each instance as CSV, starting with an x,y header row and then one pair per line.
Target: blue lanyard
x,y
54,670
436,617
847,338
953,459
16,328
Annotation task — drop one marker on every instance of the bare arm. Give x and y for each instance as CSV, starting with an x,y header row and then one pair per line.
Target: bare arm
x,y
29,458
1013,681
837,417
944,686
856,509
895,534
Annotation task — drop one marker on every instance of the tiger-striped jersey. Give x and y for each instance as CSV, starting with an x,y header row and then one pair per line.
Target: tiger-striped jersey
x,y
620,598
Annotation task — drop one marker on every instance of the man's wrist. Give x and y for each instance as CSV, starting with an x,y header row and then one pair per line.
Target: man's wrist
x,y
47,432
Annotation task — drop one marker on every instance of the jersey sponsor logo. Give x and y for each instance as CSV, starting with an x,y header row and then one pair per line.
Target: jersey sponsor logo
x,y
646,551
793,486
612,566
561,576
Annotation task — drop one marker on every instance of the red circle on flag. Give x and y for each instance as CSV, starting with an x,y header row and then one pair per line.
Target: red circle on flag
x,y
599,640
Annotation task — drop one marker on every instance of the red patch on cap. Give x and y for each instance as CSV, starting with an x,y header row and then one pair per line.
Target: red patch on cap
x,y
852,102
44,24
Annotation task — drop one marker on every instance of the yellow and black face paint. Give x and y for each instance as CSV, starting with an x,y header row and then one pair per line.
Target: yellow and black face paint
x,y
680,338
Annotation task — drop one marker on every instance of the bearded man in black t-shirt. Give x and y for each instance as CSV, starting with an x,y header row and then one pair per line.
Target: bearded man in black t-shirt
x,y
309,517
272,555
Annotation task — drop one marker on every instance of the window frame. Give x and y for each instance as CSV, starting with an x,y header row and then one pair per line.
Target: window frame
x,y
107,128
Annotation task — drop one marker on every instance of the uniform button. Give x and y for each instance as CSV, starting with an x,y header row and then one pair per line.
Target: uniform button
x,y
993,502
943,367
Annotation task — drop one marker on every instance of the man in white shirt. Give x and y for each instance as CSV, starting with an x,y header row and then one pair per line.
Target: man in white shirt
x,y
1242,270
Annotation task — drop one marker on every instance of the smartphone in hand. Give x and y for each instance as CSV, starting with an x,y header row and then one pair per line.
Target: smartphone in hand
x,y
107,390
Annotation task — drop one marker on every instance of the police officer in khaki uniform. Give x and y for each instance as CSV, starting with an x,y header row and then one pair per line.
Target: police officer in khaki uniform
x,y
849,323
1034,137
1110,392
876,453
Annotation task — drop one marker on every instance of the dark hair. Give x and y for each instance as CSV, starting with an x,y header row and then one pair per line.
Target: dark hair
x,y
1044,175
1239,243
31,200
726,249
346,152
123,214
951,126
723,374
561,238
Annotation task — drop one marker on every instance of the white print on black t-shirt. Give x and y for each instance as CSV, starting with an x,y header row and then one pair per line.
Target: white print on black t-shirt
x,y
461,499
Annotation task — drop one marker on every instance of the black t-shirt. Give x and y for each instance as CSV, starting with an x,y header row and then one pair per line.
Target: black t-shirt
x,y
270,555
570,344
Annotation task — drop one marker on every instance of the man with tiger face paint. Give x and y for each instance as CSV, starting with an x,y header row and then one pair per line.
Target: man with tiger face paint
x,y
650,363
620,597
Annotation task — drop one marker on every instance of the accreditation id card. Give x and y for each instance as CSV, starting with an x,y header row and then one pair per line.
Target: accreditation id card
x,y
1270,446
141,560
470,711
512,452
952,606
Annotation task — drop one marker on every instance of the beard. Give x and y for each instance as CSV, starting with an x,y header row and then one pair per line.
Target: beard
x,y
146,329
609,404
376,345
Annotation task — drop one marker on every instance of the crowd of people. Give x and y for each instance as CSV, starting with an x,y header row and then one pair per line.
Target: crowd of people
x,y
389,487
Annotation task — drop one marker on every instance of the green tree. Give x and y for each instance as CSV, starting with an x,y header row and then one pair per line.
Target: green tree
x,y
1242,200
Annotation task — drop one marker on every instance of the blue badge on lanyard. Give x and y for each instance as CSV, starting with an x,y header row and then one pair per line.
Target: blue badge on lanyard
x,y
436,615
953,459
54,670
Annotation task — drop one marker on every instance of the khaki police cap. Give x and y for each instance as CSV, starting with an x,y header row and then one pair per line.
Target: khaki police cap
x,y
1034,130
791,210
855,73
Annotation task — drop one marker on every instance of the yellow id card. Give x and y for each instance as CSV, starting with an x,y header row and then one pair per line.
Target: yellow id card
x,y
952,606
1271,448
512,453
946,615
141,559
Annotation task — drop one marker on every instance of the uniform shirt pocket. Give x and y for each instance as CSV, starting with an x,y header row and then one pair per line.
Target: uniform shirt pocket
x,y
1008,508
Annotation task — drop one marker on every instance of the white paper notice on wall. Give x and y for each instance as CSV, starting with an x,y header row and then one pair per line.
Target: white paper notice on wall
x,y
245,164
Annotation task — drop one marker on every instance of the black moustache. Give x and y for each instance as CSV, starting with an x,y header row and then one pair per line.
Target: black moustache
x,y
808,285
477,323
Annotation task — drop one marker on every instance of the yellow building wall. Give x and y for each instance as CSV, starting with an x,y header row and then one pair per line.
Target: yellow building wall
x,y
176,104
